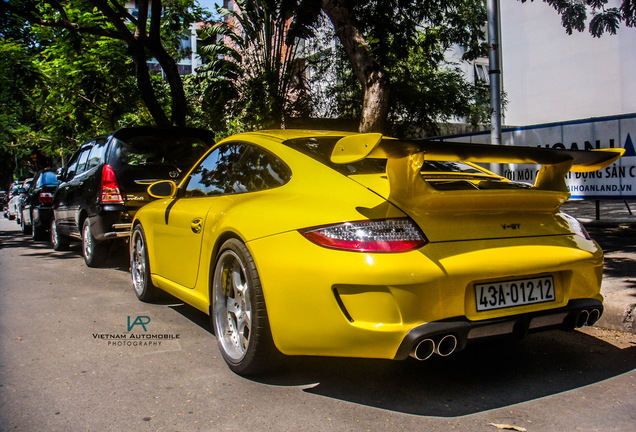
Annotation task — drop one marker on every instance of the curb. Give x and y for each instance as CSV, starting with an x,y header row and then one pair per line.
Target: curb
x,y
619,298
619,312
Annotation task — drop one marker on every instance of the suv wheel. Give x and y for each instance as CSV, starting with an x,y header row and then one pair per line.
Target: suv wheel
x,y
94,252
58,241
26,229
38,231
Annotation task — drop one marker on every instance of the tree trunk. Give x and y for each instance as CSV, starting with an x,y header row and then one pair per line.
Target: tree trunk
x,y
179,103
144,83
374,80
178,99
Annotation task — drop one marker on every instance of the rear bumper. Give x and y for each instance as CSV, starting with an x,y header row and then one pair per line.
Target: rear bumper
x,y
335,303
577,313
120,230
109,225
42,217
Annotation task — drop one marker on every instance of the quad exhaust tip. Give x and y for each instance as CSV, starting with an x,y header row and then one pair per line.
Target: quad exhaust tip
x,y
443,347
582,319
588,317
594,316
446,345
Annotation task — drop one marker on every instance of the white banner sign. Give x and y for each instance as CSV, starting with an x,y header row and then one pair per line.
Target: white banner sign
x,y
616,181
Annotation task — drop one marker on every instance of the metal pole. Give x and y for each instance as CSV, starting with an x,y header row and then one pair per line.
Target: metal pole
x,y
494,73
494,60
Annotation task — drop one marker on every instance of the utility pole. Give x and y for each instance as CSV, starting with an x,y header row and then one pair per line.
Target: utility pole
x,y
494,71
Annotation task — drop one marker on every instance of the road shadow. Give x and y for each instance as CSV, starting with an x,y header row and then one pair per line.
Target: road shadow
x,y
619,238
196,316
117,259
619,245
15,239
483,377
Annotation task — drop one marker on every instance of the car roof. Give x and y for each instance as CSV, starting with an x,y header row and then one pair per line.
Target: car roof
x,y
288,134
126,133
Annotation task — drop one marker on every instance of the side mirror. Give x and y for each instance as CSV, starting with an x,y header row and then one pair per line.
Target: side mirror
x,y
60,172
163,189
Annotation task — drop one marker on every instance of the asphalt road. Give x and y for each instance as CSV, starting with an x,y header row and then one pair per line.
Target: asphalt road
x,y
61,369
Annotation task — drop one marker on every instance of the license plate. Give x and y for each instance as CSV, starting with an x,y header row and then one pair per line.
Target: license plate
x,y
504,294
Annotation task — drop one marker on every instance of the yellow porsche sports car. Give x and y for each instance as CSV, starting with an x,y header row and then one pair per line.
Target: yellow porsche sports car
x,y
357,245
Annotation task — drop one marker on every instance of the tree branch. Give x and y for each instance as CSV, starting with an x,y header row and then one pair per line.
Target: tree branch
x,y
30,15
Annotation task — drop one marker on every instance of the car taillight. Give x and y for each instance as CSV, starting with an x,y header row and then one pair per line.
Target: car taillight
x,y
383,235
110,193
576,226
45,197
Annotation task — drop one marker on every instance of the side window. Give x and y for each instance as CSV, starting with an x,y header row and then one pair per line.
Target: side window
x,y
213,176
83,158
96,155
260,170
72,167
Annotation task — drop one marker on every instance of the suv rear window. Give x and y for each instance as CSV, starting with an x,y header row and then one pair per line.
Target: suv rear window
x,y
47,178
147,150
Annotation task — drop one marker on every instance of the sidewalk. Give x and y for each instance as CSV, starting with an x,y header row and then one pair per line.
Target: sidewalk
x,y
615,231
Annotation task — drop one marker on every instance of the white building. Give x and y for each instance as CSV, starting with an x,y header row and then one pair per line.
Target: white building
x,y
188,63
550,76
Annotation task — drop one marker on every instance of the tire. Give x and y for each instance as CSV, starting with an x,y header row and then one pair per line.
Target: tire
x,y
59,242
94,252
140,267
26,229
239,314
38,232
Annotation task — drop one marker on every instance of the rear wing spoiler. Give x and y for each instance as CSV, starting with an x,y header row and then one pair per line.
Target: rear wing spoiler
x,y
555,163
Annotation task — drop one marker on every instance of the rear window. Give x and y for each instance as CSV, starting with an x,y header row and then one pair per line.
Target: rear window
x,y
177,151
320,149
47,178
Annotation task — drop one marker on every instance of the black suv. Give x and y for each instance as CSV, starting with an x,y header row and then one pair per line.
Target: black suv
x,y
105,183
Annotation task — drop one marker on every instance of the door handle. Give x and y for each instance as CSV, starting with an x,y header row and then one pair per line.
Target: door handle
x,y
196,225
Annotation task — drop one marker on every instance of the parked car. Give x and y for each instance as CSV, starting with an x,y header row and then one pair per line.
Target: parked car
x,y
13,208
105,183
337,244
36,212
3,200
12,190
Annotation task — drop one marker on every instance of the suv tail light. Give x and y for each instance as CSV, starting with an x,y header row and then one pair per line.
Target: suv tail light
x,y
45,197
110,193
380,235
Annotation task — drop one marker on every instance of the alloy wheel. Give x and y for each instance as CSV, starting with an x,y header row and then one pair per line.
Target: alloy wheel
x,y
88,245
138,262
233,309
